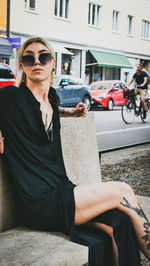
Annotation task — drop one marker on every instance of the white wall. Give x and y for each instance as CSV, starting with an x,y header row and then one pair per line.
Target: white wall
x,y
77,30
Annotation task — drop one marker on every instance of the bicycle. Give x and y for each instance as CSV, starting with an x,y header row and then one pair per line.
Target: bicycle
x,y
132,107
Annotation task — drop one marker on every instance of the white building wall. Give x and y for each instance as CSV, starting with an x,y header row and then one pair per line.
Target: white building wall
x,y
76,29
76,33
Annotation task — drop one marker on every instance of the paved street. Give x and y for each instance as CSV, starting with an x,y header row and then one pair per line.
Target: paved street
x,y
112,132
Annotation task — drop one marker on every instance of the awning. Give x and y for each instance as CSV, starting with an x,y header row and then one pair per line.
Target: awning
x,y
60,48
6,50
110,59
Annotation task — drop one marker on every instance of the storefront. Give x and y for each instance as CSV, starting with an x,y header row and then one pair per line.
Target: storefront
x,y
70,60
101,65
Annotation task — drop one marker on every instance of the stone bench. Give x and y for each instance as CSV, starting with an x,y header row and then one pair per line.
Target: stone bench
x,y
20,246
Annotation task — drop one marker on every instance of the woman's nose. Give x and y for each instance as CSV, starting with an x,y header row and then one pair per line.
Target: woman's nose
x,y
37,61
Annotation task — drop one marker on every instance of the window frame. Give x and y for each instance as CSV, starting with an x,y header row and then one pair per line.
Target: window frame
x,y
130,25
28,8
94,15
61,9
115,21
146,30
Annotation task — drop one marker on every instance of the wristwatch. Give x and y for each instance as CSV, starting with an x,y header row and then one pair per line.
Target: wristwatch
x,y
61,110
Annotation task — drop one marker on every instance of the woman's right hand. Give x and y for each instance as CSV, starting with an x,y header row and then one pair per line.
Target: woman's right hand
x,y
1,143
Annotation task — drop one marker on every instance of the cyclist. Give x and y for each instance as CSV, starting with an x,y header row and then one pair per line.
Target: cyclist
x,y
140,78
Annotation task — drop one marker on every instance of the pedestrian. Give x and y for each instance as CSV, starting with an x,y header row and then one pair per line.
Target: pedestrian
x,y
104,216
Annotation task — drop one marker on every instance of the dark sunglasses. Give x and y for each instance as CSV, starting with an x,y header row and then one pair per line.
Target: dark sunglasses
x,y
29,60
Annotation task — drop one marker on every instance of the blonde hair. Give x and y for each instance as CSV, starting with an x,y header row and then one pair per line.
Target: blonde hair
x,y
21,76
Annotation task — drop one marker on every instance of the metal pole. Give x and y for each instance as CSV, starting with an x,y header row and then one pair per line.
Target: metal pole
x,y
8,24
8,18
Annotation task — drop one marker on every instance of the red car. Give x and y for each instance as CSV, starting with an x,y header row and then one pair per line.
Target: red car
x,y
107,93
7,77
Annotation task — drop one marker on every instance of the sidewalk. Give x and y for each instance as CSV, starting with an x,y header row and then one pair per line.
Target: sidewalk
x,y
129,165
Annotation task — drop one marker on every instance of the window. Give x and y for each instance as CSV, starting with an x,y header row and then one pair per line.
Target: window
x,y
94,15
146,30
6,73
117,85
123,85
66,64
62,8
115,22
112,73
70,81
30,5
130,25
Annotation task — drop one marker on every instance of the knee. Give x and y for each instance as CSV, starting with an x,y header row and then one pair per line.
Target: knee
x,y
125,189
106,228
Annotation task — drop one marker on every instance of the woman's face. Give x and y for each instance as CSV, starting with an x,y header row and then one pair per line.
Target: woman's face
x,y
37,71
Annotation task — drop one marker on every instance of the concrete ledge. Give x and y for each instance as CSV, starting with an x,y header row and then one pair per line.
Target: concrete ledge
x,y
80,150
21,246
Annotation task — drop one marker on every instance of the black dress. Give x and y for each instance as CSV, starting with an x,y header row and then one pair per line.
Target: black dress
x,y
44,194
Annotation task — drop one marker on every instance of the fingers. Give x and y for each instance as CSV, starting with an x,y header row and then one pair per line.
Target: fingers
x,y
83,113
1,143
80,110
81,105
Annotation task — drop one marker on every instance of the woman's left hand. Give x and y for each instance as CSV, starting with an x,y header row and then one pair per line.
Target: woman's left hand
x,y
79,110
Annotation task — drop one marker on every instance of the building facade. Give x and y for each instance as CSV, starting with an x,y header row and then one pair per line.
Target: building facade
x,y
3,14
6,50
93,39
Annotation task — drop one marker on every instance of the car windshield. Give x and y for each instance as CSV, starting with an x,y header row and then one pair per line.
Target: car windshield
x,y
68,80
102,85
5,72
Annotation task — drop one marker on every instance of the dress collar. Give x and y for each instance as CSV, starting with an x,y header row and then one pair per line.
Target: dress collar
x,y
33,100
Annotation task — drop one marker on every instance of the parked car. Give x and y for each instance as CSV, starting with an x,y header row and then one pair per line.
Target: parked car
x,y
107,93
70,91
7,77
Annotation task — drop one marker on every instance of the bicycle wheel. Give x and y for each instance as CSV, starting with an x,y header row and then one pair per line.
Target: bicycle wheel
x,y
127,112
147,118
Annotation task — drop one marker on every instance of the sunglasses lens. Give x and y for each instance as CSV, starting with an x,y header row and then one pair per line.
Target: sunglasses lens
x,y
45,58
28,60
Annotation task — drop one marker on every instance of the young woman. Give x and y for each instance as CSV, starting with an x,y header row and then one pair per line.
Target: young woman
x,y
104,216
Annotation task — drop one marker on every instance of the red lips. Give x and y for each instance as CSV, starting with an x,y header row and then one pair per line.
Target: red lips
x,y
37,70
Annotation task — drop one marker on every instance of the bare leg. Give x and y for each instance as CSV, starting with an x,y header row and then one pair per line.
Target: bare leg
x,y
143,103
109,231
94,199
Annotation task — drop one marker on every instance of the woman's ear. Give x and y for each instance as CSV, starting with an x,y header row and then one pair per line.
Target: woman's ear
x,y
21,66
53,63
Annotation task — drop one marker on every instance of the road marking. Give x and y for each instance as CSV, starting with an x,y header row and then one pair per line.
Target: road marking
x,y
121,130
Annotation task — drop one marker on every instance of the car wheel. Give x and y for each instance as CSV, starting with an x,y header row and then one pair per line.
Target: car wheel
x,y
110,105
86,100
